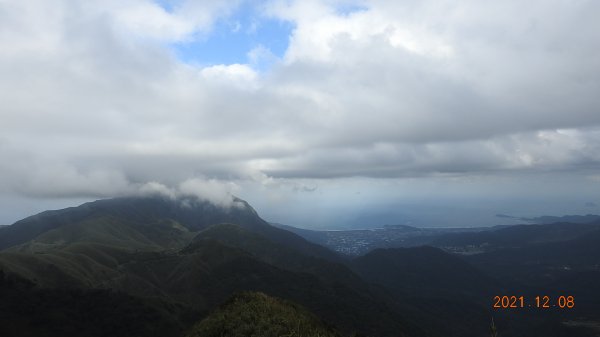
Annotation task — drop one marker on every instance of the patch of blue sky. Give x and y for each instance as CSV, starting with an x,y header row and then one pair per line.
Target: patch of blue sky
x,y
346,9
232,38
168,5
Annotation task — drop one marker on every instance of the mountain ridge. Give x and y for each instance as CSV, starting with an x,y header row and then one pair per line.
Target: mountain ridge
x,y
178,261
139,212
193,262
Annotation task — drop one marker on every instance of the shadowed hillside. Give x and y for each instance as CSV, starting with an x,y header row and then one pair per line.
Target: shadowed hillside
x,y
195,264
156,267
150,223
29,311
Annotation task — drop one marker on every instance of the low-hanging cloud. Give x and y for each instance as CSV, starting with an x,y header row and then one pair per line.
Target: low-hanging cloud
x,y
218,193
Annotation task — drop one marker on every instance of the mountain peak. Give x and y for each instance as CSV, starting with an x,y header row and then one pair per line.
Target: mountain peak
x,y
139,212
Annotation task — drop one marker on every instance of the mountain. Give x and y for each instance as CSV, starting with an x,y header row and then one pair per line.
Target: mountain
x,y
334,291
423,270
561,266
319,237
440,286
30,311
517,236
546,219
281,256
526,260
257,314
185,257
149,223
87,245
150,266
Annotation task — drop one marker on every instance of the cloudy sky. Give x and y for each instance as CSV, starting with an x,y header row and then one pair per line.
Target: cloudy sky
x,y
320,113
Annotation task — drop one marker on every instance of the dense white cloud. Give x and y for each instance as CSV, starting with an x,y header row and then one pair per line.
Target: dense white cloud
x,y
236,75
95,103
217,192
214,191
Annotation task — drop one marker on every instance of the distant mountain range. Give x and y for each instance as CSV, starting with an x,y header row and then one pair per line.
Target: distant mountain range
x,y
153,266
546,219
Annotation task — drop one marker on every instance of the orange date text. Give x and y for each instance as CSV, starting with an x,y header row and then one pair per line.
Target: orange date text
x,y
541,302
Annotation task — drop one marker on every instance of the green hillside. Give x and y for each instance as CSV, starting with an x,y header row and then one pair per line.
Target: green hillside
x,y
162,267
147,223
195,264
30,311
279,255
254,314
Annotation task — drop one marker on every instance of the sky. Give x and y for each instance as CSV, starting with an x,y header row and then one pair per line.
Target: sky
x,y
319,113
